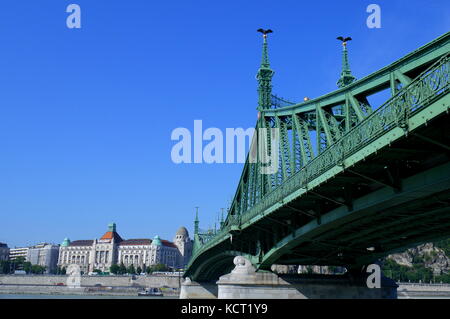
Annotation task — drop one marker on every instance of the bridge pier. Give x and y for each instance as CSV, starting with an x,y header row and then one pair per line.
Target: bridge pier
x,y
245,283
195,290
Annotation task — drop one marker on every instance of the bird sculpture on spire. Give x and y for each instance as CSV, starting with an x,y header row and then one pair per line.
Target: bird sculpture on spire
x,y
344,40
264,32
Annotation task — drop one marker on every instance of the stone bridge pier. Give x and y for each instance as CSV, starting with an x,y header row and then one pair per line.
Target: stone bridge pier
x,y
245,283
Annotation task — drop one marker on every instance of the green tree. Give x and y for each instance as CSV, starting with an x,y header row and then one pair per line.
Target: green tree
x,y
443,278
37,269
161,267
122,269
63,271
5,267
17,263
27,267
114,269
156,268
131,270
138,270
418,272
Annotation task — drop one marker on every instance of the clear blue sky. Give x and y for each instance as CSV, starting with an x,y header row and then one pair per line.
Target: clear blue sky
x,y
86,115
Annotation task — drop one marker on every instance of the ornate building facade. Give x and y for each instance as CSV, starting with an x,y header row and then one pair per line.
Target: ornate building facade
x,y
112,249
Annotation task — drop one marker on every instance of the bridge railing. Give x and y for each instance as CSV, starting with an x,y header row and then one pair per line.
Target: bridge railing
x,y
395,112
278,102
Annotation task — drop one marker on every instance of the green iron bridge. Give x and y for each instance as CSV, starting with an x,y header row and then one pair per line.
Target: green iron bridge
x,y
376,179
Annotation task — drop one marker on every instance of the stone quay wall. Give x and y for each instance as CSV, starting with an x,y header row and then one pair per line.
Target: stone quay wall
x,y
103,285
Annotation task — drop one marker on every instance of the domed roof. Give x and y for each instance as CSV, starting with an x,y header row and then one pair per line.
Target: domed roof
x,y
156,241
66,242
182,231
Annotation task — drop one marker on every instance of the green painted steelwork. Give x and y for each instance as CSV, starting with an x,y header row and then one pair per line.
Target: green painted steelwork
x,y
269,215
346,75
264,77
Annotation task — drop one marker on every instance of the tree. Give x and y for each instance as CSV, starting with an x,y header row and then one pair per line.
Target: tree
x,y
138,270
5,267
37,269
63,271
19,260
157,267
131,270
443,278
114,269
144,268
18,264
27,267
122,269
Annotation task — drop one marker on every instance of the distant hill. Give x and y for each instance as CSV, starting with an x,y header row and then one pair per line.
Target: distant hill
x,y
425,263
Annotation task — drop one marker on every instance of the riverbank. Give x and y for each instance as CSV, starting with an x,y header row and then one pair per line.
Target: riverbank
x,y
89,285
82,291
54,286
419,290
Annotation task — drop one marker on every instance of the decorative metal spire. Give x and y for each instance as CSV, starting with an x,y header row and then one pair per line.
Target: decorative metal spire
x,y
346,74
196,222
221,219
264,75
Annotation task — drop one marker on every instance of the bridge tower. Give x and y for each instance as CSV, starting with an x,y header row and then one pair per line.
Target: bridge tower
x,y
196,221
346,74
264,76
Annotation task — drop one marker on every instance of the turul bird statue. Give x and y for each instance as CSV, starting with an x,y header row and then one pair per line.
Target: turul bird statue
x,y
264,32
344,40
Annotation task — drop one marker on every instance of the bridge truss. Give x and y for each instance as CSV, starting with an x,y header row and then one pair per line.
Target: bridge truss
x,y
354,182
